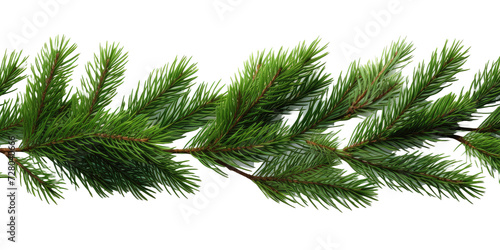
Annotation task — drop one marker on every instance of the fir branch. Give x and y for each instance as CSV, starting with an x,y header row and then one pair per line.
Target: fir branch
x,y
485,147
245,146
11,71
485,88
299,179
161,86
424,174
428,174
189,113
123,150
103,78
108,140
363,87
491,123
106,176
427,81
37,180
381,77
10,121
248,119
436,121
122,146
46,89
237,117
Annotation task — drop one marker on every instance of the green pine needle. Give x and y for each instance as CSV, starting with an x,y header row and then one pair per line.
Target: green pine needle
x,y
108,151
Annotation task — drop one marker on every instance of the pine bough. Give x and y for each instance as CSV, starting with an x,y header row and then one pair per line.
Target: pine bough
x,y
123,150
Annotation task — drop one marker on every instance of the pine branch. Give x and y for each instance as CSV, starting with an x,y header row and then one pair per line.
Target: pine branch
x,y
187,113
299,179
161,86
378,135
427,81
248,120
427,174
484,147
11,71
491,123
363,88
105,176
38,181
481,143
107,151
10,121
424,174
103,78
46,89
436,121
117,142
245,146
120,152
485,88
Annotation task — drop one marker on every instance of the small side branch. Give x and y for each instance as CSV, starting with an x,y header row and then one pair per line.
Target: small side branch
x,y
462,140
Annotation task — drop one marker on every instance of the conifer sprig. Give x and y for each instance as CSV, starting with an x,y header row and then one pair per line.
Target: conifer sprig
x,y
362,88
409,120
46,89
102,150
10,120
247,125
123,150
426,174
11,71
307,176
104,75
485,88
188,113
162,86
482,143
427,81
38,180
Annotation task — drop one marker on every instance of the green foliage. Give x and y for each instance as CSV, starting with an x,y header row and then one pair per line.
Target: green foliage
x,y
309,177
123,150
363,89
10,121
46,89
485,148
11,71
483,143
38,180
485,89
427,81
103,77
245,146
247,125
104,151
161,87
491,123
425,174
188,113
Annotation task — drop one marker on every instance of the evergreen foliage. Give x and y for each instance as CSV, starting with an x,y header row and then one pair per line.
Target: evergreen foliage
x,y
123,150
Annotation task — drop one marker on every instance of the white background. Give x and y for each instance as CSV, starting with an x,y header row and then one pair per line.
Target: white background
x,y
232,213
